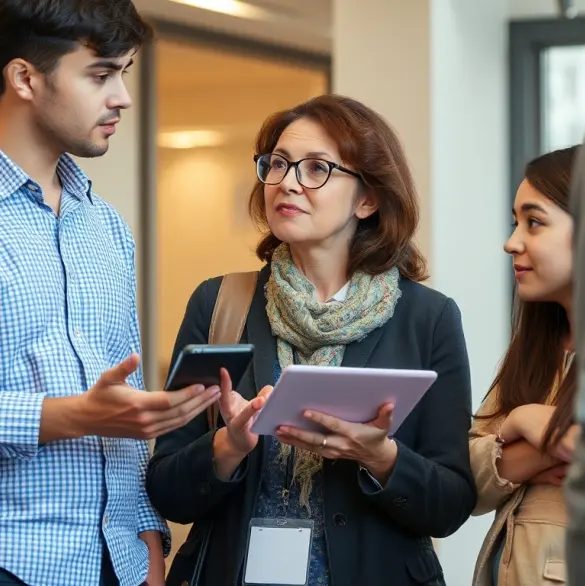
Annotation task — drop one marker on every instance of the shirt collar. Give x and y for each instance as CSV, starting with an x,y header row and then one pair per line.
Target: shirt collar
x,y
341,295
73,179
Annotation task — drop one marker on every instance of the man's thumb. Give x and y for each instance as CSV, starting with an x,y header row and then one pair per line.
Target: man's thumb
x,y
119,373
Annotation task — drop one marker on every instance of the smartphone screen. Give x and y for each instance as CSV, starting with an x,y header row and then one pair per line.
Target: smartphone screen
x,y
201,364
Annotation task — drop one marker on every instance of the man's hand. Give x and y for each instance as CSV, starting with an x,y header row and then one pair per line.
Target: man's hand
x,y
114,409
156,560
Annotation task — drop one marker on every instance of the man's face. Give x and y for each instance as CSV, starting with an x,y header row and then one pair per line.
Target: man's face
x,y
77,106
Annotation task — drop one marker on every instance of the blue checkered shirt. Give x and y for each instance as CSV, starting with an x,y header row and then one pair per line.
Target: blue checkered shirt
x,y
67,313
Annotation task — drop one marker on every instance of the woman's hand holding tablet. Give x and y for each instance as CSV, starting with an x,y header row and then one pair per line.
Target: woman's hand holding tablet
x,y
354,395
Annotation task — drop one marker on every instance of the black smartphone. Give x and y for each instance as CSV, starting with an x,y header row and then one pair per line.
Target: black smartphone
x,y
200,365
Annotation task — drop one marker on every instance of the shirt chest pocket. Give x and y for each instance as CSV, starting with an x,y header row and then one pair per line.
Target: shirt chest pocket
x,y
99,285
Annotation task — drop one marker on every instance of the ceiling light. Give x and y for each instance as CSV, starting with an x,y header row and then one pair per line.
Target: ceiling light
x,y
190,139
230,7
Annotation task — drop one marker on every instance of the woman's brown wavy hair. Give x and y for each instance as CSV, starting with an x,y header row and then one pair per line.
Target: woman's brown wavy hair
x,y
372,148
540,330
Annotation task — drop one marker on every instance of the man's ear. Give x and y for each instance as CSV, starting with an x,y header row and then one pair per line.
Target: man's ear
x,y
23,78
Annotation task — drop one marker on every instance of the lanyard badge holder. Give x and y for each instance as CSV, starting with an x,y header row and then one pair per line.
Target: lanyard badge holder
x,y
279,550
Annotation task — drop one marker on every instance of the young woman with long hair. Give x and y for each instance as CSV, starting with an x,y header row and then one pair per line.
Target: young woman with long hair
x,y
524,433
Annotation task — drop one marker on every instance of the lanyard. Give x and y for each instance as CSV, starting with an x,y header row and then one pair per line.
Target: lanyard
x,y
288,478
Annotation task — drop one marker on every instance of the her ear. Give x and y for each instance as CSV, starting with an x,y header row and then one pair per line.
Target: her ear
x,y
22,77
367,205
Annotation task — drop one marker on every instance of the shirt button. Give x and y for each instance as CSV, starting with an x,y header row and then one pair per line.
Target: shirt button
x,y
32,187
77,333
106,521
339,520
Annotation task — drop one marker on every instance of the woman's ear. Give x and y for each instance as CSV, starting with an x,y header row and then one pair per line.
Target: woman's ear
x,y
367,205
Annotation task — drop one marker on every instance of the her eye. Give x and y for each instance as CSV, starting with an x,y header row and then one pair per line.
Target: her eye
x,y
277,164
318,167
534,223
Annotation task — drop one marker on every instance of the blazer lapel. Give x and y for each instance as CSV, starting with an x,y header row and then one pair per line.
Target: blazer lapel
x,y
260,334
357,354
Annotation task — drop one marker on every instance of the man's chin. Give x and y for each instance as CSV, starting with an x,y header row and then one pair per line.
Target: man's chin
x,y
90,150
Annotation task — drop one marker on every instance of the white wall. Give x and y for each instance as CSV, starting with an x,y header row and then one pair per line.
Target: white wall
x,y
381,57
437,71
470,202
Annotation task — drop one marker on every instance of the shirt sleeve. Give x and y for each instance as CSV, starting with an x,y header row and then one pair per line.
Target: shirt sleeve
x,y
484,451
20,424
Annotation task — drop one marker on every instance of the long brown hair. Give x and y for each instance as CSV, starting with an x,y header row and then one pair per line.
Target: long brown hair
x,y
367,143
535,357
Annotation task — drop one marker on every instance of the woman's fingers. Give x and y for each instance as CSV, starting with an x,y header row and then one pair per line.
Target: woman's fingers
x,y
245,415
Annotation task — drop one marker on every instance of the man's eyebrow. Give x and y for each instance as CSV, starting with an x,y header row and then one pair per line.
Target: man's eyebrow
x,y
109,64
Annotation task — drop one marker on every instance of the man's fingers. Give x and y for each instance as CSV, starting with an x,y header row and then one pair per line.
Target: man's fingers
x,y
119,373
166,400
168,425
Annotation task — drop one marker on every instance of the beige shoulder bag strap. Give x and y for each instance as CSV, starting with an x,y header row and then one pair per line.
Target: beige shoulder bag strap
x,y
229,317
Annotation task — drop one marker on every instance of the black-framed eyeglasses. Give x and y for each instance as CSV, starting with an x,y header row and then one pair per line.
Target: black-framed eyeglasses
x,y
311,173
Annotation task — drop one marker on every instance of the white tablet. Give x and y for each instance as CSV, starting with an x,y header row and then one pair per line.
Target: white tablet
x,y
351,394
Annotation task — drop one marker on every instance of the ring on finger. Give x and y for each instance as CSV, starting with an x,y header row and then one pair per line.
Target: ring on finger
x,y
323,443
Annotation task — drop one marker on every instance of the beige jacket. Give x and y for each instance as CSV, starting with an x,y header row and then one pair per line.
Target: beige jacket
x,y
534,518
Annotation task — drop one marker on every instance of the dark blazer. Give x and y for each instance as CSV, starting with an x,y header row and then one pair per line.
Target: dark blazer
x,y
374,538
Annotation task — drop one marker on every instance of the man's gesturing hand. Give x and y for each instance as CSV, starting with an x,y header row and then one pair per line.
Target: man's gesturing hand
x,y
114,409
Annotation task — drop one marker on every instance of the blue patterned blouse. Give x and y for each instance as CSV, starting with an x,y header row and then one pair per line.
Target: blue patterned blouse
x,y
270,506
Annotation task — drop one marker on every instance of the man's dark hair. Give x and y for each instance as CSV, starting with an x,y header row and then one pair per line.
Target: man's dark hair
x,y
43,31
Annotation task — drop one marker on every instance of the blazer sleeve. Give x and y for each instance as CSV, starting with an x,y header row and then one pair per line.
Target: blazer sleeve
x,y
484,451
181,481
431,490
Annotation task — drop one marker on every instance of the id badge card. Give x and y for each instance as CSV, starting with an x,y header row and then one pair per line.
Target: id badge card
x,y
278,552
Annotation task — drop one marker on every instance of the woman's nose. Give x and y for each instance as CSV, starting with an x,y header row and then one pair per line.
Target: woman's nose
x,y
514,244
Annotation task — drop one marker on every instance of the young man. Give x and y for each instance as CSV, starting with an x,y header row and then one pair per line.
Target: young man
x,y
73,509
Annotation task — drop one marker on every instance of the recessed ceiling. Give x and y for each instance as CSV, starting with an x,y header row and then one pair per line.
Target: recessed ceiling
x,y
298,24
213,68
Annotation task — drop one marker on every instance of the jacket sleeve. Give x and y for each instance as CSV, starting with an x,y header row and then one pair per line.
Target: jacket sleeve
x,y
430,491
181,480
484,451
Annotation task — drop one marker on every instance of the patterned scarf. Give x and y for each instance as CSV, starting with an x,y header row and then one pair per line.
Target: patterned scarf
x,y
317,333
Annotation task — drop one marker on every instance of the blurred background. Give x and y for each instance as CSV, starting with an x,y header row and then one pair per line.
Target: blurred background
x,y
475,88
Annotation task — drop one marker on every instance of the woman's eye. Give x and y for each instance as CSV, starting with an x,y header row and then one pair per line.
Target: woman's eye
x,y
534,223
319,168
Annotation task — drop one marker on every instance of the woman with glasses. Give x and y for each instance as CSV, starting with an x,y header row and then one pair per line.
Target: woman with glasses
x,y
339,211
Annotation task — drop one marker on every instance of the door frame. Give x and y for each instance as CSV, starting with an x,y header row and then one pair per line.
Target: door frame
x,y
528,38
148,153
